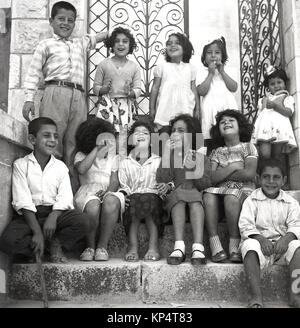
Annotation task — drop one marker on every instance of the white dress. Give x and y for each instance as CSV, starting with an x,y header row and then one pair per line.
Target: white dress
x,y
175,95
271,126
218,98
95,179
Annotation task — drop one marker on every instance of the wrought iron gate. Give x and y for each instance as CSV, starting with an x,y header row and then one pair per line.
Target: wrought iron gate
x,y
260,46
150,20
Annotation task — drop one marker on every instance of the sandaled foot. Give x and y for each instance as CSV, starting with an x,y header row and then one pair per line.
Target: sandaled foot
x,y
152,255
56,253
87,254
176,257
198,257
219,257
255,304
101,254
132,256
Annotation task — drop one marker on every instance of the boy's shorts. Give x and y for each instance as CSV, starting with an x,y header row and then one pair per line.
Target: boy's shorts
x,y
266,261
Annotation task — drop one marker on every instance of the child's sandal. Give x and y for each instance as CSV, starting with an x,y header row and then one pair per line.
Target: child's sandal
x,y
176,260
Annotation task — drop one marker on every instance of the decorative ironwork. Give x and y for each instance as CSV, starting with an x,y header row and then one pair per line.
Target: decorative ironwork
x,y
260,46
150,20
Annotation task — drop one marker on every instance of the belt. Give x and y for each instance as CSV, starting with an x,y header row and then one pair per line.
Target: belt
x,y
66,84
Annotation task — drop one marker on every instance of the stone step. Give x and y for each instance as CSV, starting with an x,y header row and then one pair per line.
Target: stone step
x,y
119,282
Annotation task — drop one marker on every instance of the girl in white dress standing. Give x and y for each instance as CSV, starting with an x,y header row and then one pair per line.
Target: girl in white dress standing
x,y
174,86
273,133
217,87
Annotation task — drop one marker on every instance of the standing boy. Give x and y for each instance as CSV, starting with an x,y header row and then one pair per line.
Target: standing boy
x,y
60,60
270,230
43,200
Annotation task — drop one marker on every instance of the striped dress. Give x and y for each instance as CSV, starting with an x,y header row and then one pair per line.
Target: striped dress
x,y
224,156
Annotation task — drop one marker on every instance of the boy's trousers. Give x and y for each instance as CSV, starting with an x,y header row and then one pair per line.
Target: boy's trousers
x,y
68,109
72,225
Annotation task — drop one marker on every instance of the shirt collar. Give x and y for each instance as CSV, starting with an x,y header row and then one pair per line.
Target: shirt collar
x,y
32,158
148,161
282,197
57,38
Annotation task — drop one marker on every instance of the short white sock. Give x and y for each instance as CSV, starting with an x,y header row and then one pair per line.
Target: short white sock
x,y
179,244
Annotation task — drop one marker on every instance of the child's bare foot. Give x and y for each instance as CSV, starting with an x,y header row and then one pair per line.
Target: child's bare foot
x,y
152,255
256,303
132,255
56,253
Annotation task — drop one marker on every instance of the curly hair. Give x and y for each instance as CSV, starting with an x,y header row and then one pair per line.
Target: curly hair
x,y
186,45
280,73
193,126
245,128
35,125
110,41
88,132
221,43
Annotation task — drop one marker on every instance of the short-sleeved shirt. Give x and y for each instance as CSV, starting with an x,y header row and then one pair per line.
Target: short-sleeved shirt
x,y
175,95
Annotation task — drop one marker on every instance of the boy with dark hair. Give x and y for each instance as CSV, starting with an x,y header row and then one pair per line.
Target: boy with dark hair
x,y
42,200
60,60
270,229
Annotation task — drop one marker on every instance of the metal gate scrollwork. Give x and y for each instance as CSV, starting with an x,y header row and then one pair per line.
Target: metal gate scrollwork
x,y
150,20
260,46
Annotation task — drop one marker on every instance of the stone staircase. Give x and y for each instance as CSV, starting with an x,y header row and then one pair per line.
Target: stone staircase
x,y
122,283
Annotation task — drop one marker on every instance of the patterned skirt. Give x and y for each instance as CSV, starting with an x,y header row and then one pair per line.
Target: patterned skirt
x,y
143,206
237,189
121,112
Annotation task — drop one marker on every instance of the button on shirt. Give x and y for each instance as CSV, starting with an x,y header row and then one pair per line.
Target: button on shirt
x,y
137,178
271,218
58,58
32,187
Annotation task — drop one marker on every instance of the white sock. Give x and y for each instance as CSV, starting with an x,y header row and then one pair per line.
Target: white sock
x,y
198,247
215,245
179,244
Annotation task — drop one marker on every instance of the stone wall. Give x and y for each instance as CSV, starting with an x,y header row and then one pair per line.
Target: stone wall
x,y
291,44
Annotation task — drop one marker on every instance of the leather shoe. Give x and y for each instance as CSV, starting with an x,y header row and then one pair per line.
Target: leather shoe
x,y
219,257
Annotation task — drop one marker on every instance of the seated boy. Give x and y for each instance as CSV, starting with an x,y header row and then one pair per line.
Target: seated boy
x,y
42,200
270,229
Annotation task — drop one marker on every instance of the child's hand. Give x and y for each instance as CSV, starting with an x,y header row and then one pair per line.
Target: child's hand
x,y
106,88
28,108
220,67
212,67
128,88
163,188
267,246
281,247
127,202
100,193
50,226
189,159
37,243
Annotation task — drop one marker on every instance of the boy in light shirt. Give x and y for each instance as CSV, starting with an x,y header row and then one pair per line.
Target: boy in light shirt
x,y
43,200
270,229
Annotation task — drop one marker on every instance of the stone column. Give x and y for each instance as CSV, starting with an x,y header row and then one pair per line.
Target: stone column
x,y
291,44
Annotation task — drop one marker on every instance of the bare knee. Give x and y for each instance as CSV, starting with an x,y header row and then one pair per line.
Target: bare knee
x,y
111,204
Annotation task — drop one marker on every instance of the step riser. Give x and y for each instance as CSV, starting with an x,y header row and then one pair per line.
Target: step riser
x,y
154,282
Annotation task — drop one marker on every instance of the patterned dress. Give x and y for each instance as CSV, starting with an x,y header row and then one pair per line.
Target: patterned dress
x,y
224,156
